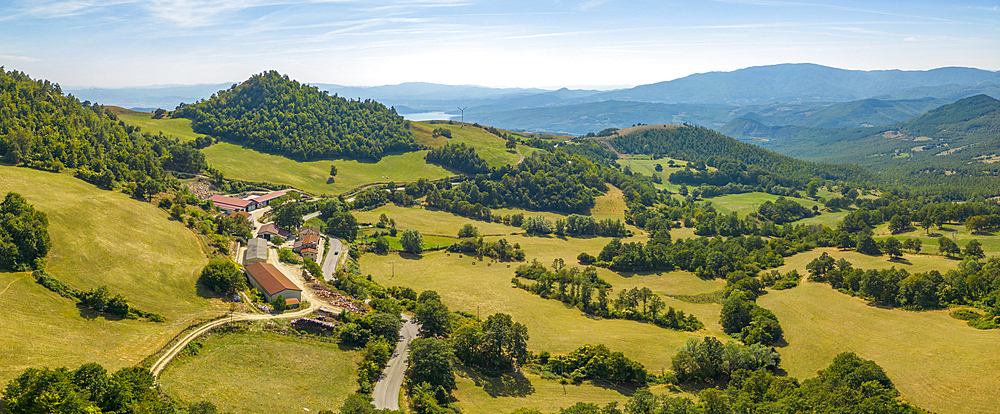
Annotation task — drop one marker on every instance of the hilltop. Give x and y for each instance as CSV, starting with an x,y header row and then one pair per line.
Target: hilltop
x,y
272,113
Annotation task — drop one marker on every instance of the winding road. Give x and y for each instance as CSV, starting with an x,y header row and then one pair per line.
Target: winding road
x,y
385,396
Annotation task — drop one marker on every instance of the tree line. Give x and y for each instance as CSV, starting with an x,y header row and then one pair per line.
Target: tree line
x,y
24,234
458,156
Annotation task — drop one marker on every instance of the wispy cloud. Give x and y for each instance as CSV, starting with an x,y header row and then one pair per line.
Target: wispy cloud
x,y
16,58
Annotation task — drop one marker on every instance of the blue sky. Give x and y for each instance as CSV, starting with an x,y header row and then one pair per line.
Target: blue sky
x,y
117,43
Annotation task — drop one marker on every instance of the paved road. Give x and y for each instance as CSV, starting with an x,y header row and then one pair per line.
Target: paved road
x,y
386,392
333,258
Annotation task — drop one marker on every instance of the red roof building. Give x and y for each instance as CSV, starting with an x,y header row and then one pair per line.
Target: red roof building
x,y
229,204
307,241
271,282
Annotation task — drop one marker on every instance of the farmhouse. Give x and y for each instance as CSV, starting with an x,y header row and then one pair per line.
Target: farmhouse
x,y
230,205
309,253
264,200
271,282
256,251
309,241
270,230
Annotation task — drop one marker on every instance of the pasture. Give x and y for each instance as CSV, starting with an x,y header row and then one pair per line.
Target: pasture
x,y
913,263
179,128
744,203
98,238
957,232
274,373
490,147
937,362
313,176
647,166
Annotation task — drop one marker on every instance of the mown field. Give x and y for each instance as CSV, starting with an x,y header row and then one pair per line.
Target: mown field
x,y
647,166
956,232
745,203
264,372
246,164
937,362
98,238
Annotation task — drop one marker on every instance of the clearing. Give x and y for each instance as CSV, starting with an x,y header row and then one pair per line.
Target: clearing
x,y
179,128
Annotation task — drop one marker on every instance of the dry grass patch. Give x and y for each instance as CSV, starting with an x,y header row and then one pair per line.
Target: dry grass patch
x,y
937,362
910,262
437,222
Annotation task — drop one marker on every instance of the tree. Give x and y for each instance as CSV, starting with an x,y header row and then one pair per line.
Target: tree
x,y
357,404
821,265
974,250
434,319
279,304
927,223
891,247
430,362
412,241
976,224
384,325
222,276
97,298
288,216
735,312
333,170
914,245
342,224
658,167
380,245
947,246
867,245
468,230
504,342
46,391
898,223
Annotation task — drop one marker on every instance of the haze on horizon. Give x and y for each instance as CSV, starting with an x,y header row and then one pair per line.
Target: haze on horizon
x,y
588,43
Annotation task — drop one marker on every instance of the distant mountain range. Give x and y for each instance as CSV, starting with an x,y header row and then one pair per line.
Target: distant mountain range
x,y
805,95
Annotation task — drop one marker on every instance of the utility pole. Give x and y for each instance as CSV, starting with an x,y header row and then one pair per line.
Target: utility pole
x,y
393,269
463,115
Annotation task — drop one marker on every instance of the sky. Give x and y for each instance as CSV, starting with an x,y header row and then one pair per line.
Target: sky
x,y
515,43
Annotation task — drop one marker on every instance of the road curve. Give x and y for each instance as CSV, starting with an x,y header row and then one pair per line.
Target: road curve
x,y
385,396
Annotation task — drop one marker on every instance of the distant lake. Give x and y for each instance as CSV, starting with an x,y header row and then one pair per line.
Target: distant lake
x,y
428,116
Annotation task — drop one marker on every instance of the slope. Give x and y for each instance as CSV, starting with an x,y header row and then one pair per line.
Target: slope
x,y
98,238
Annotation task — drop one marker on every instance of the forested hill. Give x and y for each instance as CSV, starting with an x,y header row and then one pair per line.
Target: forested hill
x,y
42,128
698,143
271,113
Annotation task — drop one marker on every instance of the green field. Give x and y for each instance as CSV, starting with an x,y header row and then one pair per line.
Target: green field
x,y
748,202
958,233
430,221
98,238
937,362
490,147
246,164
647,166
264,372
179,128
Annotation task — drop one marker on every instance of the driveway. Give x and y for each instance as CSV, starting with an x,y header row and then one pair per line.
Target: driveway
x,y
385,396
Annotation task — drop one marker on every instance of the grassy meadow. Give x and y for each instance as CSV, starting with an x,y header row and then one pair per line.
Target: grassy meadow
x,y
98,238
956,232
246,164
275,374
490,147
937,362
179,128
647,166
745,203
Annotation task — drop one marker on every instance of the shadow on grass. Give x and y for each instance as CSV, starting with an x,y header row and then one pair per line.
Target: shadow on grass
x,y
89,314
507,384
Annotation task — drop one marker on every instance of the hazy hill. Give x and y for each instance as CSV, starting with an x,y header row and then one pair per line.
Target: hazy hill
x,y
149,97
272,113
794,83
953,133
580,119
862,113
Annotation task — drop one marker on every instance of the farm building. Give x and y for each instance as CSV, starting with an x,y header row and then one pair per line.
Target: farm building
x,y
271,282
230,205
309,241
270,230
256,251
291,303
264,200
309,253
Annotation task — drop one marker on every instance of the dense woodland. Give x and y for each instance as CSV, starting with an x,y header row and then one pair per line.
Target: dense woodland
x,y
460,157
271,113
42,128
